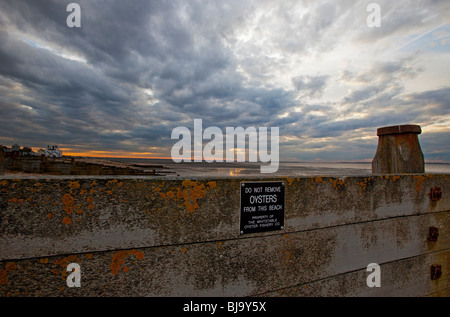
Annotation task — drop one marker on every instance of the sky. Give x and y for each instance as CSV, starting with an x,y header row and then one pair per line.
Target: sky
x,y
134,70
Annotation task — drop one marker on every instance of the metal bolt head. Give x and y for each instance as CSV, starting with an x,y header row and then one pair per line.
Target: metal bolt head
x,y
435,193
436,271
433,234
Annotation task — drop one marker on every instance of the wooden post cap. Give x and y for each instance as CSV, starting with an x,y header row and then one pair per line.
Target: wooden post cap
x,y
399,129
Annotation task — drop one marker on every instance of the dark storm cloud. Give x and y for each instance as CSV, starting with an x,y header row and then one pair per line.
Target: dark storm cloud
x,y
136,70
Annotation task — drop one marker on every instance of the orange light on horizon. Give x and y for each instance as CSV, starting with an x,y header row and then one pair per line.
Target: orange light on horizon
x,y
112,154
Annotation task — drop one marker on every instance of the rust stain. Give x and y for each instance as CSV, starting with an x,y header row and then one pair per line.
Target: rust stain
x,y
419,180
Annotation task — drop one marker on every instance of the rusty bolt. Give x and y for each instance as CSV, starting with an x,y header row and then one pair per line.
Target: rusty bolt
x,y
436,271
433,234
435,193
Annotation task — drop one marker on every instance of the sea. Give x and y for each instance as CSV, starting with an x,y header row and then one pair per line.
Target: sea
x,y
288,169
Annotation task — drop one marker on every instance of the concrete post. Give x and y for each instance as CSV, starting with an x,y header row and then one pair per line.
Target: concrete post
x,y
398,150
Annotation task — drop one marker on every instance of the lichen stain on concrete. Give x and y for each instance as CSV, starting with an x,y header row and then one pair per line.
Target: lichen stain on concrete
x,y
289,180
188,195
286,253
339,183
9,267
68,203
119,257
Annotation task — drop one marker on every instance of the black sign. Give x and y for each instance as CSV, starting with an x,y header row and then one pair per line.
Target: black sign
x,y
262,206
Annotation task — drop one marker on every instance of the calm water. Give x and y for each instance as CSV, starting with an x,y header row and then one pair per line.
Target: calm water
x,y
291,169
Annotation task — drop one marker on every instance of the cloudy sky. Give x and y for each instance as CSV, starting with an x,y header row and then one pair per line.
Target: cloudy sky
x,y
135,70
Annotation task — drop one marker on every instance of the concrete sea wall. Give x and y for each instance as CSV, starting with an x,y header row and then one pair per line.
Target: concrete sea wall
x,y
162,236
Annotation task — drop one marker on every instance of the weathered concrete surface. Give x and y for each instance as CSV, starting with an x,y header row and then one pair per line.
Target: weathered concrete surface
x,y
244,267
176,237
408,277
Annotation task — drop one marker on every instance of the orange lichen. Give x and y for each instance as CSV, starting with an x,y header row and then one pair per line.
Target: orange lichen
x,y
11,266
74,184
338,183
111,182
68,203
191,192
89,256
49,215
126,269
184,250
119,258
212,184
289,180
67,220
43,260
3,277
170,194
138,254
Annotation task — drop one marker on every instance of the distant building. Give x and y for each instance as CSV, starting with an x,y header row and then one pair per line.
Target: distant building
x,y
51,151
15,151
